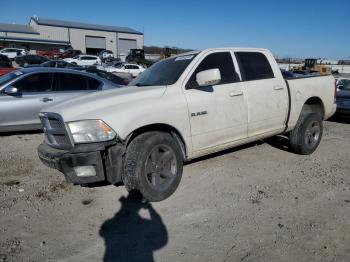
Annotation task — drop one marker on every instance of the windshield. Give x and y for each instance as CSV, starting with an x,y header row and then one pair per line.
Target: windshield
x,y
165,72
9,76
118,65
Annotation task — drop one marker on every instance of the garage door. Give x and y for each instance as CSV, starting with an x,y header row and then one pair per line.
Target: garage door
x,y
125,45
95,42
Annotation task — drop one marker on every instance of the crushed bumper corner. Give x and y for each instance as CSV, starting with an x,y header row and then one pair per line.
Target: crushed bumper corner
x,y
106,163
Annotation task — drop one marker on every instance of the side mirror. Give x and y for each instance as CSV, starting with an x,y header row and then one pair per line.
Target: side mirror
x,y
340,87
208,77
11,91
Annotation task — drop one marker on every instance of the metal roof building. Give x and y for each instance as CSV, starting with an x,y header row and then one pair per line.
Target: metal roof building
x,y
44,34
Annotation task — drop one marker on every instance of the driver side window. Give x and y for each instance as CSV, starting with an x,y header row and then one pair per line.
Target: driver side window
x,y
223,61
41,82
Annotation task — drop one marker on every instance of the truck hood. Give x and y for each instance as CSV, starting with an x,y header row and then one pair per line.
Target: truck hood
x,y
94,105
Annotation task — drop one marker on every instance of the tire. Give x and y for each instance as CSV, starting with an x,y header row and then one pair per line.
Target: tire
x,y
307,134
153,165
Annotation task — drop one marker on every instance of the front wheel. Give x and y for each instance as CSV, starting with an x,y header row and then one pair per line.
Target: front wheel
x,y
307,134
153,165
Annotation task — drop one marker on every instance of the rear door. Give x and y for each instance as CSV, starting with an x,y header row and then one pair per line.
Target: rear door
x,y
83,61
88,60
266,93
218,113
69,85
134,70
23,109
127,69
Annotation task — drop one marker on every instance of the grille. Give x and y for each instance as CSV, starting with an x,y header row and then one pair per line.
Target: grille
x,y
55,123
55,131
61,139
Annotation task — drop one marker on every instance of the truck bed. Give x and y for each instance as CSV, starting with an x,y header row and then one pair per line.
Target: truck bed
x,y
310,86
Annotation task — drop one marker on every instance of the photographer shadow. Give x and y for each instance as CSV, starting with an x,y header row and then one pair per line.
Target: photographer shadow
x,y
129,237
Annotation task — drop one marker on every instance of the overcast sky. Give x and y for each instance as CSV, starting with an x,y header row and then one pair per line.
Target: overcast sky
x,y
309,28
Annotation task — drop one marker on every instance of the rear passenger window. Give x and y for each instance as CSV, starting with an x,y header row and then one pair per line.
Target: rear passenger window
x,y
35,83
93,83
71,82
222,61
254,66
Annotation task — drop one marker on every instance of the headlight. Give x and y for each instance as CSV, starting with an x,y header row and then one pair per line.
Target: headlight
x,y
90,131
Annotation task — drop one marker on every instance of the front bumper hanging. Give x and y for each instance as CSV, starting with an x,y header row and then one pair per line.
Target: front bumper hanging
x,y
104,158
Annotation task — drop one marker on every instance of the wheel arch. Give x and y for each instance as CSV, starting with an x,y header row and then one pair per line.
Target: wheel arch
x,y
314,105
174,132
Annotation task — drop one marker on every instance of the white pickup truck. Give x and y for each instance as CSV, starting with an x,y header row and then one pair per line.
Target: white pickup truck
x,y
182,108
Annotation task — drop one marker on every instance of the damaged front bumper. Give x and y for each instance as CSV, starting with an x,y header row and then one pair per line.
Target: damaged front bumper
x,y
86,163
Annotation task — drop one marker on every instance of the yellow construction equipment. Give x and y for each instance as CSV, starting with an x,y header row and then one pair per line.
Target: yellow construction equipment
x,y
312,66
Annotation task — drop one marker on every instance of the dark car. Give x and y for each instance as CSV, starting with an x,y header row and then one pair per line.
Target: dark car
x,y
343,96
109,76
5,65
23,93
26,60
5,61
69,53
289,74
57,64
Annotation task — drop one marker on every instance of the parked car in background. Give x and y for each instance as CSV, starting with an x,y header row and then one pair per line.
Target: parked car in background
x,y
57,63
5,61
290,74
84,60
52,53
25,60
69,54
106,54
109,76
133,69
23,93
5,65
343,96
181,108
12,52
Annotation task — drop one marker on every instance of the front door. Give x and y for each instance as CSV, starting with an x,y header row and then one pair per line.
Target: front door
x,y
23,109
218,113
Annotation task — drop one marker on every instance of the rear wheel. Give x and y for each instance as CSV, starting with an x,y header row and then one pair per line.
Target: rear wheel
x,y
307,134
153,165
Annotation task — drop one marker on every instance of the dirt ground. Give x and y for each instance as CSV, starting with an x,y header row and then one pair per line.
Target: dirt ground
x,y
255,203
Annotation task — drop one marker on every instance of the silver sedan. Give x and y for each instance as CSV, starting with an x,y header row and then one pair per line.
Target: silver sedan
x,y
23,93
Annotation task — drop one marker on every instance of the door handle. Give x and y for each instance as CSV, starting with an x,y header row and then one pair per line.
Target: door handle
x,y
46,99
278,88
233,94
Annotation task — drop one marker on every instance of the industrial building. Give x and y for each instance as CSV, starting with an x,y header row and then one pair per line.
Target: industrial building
x,y
45,34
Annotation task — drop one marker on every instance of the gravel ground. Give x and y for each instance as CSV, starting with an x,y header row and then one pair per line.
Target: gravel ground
x,y
255,203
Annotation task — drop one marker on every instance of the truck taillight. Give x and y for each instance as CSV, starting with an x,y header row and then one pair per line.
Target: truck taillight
x,y
335,90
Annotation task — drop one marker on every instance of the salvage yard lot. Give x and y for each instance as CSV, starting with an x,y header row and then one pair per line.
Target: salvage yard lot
x,y
255,203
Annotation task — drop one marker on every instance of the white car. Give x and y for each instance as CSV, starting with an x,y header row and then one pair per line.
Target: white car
x,y
132,69
12,52
105,54
181,108
84,60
